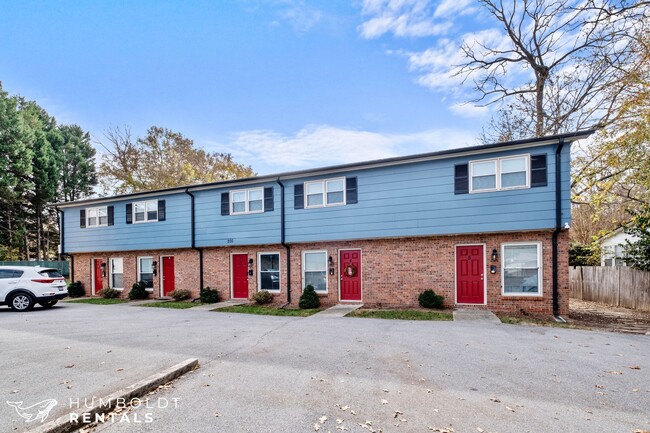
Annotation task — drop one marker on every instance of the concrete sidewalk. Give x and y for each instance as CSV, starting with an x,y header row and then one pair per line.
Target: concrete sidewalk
x,y
476,316
338,310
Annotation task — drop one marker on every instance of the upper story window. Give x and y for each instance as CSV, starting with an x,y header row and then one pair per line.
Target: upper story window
x,y
328,192
97,216
145,211
247,201
500,173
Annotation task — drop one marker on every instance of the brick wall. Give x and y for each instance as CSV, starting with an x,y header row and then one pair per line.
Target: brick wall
x,y
394,271
186,269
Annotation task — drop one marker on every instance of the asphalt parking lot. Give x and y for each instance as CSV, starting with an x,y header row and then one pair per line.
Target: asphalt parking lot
x,y
261,373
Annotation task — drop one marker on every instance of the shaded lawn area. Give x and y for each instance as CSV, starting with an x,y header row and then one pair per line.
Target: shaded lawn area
x,y
268,311
402,314
178,305
98,301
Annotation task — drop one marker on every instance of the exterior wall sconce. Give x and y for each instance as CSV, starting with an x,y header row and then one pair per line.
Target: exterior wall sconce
x,y
250,267
103,266
493,269
154,267
495,255
330,262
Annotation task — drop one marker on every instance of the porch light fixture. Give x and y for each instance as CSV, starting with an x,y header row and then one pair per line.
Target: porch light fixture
x,y
330,261
493,269
495,255
103,266
250,262
154,267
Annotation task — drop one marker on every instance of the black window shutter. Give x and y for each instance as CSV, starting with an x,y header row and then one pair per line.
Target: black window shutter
x,y
351,195
162,214
129,213
82,218
268,199
461,179
225,203
538,170
298,196
111,215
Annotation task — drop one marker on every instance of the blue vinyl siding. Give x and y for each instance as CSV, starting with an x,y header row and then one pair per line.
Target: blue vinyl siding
x,y
414,199
418,199
214,229
174,232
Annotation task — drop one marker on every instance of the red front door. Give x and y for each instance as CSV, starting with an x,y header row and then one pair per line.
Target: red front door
x,y
98,281
169,281
240,276
350,272
470,287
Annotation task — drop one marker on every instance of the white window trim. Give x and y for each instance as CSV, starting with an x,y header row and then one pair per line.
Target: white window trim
x,y
246,202
97,208
139,273
110,273
324,193
540,273
146,214
259,271
327,283
497,171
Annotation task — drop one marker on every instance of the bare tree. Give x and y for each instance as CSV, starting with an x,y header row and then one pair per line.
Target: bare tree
x,y
560,65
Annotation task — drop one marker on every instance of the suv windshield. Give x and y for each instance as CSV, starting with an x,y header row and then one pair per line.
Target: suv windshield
x,y
52,273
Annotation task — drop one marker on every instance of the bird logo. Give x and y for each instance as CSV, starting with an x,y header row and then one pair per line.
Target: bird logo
x,y
38,411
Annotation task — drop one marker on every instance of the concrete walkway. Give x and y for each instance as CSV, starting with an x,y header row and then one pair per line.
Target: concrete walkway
x,y
338,310
218,305
476,316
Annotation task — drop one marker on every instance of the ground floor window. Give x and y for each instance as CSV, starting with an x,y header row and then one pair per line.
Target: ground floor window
x,y
314,270
269,271
145,271
117,273
522,269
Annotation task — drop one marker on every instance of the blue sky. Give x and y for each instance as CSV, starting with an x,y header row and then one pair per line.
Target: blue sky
x,y
281,84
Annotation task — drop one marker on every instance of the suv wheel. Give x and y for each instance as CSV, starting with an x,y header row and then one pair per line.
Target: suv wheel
x,y
21,302
48,304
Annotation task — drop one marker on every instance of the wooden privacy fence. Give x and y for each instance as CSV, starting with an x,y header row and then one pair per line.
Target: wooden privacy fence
x,y
611,285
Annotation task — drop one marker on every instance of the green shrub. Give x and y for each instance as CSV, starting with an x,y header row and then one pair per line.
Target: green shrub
x,y
76,289
309,298
138,291
180,294
209,296
263,297
429,299
109,293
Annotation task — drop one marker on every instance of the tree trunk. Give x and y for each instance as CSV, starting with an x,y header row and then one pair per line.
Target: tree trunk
x,y
539,106
27,253
39,233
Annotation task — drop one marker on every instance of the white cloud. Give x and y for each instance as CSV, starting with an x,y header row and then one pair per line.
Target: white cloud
x,y
449,8
469,110
300,16
320,145
402,18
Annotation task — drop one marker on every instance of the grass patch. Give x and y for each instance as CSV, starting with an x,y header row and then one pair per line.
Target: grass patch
x,y
268,311
178,305
402,314
98,301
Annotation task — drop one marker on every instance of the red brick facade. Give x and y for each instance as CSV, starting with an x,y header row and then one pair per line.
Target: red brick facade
x,y
394,271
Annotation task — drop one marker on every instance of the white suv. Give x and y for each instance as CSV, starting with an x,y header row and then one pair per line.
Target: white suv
x,y
23,286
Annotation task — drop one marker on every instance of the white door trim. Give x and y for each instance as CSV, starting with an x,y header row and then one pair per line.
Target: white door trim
x,y
338,273
232,275
484,272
